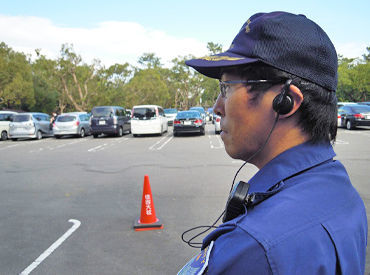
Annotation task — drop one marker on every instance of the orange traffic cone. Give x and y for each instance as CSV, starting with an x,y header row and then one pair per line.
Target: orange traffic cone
x,y
148,219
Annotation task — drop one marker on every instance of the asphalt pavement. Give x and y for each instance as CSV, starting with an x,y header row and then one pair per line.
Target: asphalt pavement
x,y
67,206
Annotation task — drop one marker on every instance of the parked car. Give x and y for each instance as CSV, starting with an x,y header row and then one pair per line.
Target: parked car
x,y
170,114
110,120
76,123
365,103
354,115
340,104
148,119
30,125
210,115
201,110
6,117
217,122
189,122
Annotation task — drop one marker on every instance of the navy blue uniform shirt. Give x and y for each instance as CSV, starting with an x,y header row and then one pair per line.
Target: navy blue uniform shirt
x,y
312,221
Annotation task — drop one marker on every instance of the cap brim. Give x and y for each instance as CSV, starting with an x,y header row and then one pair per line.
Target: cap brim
x,y
212,66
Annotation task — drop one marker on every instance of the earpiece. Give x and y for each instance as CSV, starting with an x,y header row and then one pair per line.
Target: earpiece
x,y
283,103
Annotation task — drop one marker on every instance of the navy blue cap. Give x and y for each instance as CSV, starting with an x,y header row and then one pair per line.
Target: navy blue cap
x,y
289,42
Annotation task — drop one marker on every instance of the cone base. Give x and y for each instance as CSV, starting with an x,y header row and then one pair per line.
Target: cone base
x,y
147,226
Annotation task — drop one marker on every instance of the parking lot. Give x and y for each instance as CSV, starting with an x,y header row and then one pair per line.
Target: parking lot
x,y
80,196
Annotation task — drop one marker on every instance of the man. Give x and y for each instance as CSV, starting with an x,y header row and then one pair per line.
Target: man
x,y
299,214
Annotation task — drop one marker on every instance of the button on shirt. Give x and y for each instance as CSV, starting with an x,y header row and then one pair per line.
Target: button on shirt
x,y
315,222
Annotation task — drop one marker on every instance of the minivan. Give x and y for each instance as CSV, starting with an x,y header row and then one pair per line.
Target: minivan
x,y
110,120
5,118
148,119
30,125
74,123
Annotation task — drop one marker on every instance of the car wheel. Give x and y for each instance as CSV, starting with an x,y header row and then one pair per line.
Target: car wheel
x,y
14,139
175,134
135,135
58,136
82,133
203,132
38,135
95,135
120,132
349,125
161,133
4,135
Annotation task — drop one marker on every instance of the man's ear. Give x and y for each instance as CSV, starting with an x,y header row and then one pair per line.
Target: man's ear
x,y
297,97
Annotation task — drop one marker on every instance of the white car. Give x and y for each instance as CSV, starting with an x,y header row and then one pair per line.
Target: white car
x,y
170,114
148,119
217,120
5,118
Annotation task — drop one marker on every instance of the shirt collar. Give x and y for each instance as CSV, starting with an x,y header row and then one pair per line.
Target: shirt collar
x,y
289,163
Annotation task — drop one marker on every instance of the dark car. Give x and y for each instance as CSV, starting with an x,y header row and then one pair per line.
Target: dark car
x,y
188,122
354,115
110,120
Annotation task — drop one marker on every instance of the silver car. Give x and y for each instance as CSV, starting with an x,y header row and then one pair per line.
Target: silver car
x,y
30,125
77,124
217,121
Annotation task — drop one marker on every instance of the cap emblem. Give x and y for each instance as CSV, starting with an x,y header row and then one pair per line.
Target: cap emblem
x,y
247,28
220,58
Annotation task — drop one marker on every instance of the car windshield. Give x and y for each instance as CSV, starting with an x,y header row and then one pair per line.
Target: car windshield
x,y
66,118
102,111
187,114
21,118
361,109
144,113
170,111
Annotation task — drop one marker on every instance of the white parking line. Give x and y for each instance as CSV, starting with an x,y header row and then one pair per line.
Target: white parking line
x,y
220,143
10,146
55,245
159,141
97,148
340,142
68,143
157,146
167,141
107,145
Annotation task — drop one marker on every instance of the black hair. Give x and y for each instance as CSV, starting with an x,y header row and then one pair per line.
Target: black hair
x,y
318,111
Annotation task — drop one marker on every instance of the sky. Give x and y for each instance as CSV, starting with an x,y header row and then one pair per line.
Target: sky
x,y
119,31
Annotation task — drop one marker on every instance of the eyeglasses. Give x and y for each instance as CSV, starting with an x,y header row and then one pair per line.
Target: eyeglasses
x,y
224,85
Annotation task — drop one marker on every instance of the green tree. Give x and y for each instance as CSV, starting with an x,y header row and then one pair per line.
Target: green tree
x,y
354,79
149,60
16,87
146,87
111,85
45,84
78,80
214,48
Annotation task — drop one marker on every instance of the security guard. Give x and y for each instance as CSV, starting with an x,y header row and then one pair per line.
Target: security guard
x,y
299,214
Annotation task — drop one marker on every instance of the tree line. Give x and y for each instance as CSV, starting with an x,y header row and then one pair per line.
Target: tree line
x,y
70,84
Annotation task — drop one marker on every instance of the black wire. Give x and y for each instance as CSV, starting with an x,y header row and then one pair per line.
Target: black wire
x,y
209,227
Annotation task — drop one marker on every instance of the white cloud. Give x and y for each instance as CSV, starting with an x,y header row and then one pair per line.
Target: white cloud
x,y
351,49
111,42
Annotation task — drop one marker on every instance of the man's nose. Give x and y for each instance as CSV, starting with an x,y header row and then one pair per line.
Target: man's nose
x,y
218,106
